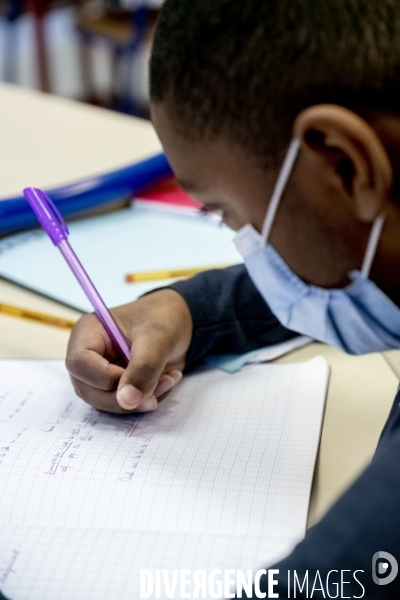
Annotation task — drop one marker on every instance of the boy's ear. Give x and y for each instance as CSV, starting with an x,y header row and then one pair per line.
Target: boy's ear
x,y
353,150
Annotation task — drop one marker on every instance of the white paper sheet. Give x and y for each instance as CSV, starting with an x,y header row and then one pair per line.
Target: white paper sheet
x,y
219,475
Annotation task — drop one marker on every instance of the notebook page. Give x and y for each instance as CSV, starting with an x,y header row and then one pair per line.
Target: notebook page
x,y
222,454
104,564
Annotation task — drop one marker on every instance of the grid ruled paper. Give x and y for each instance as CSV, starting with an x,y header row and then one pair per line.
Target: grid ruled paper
x,y
221,472
104,564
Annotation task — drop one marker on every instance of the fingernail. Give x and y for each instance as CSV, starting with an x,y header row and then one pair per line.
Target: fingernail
x,y
177,375
129,397
167,381
149,404
165,384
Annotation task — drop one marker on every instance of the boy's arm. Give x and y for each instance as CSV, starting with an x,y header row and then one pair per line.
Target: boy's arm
x,y
228,313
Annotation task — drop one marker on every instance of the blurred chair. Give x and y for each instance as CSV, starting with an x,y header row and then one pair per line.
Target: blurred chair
x,y
10,10
40,8
125,31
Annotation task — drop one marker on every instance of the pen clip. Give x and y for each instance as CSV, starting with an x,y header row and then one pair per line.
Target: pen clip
x,y
48,215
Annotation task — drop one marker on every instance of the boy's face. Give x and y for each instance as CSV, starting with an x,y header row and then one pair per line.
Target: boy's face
x,y
314,231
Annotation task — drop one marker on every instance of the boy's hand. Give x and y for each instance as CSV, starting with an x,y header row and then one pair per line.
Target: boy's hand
x,y
159,327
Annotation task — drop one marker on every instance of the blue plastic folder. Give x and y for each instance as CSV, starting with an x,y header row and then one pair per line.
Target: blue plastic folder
x,y
16,214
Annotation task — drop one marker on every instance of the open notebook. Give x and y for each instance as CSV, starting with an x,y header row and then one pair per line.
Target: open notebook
x,y
218,477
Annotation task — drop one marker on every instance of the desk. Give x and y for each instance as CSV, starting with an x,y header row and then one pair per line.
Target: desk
x,y
48,141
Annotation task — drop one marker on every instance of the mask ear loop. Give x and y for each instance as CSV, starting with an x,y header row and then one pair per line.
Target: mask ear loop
x,y
280,185
372,244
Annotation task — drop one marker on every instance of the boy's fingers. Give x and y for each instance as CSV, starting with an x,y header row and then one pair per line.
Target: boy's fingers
x,y
93,369
166,382
160,328
102,400
141,376
106,401
148,405
90,355
129,397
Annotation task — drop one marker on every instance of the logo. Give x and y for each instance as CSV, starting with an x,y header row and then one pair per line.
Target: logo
x,y
384,568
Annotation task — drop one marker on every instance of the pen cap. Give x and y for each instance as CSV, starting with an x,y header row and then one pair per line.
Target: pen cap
x,y
48,215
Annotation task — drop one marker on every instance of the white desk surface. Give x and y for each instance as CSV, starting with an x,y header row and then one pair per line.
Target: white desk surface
x,y
47,141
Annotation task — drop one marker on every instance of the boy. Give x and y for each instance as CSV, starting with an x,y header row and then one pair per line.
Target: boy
x,y
231,84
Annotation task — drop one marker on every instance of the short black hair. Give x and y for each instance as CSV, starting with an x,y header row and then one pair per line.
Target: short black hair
x,y
244,69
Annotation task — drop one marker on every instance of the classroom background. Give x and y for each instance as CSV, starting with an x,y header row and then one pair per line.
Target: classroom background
x,y
95,51
93,162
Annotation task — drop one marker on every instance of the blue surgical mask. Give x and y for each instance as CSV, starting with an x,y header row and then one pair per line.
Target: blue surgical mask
x,y
358,319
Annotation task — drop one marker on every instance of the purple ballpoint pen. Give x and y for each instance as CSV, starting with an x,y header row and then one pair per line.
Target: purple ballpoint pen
x,y
56,228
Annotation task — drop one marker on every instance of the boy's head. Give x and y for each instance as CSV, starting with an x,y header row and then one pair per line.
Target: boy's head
x,y
229,78
246,69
